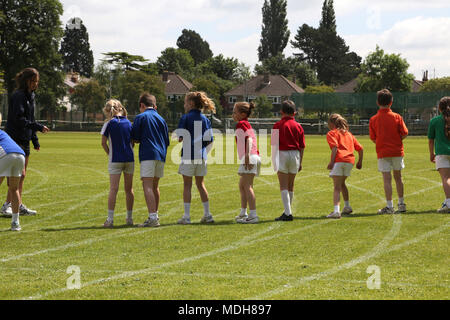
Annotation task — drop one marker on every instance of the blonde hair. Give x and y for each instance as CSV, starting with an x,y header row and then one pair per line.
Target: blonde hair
x,y
201,101
339,122
112,108
245,107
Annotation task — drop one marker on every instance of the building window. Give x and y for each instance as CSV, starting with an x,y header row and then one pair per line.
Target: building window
x,y
232,99
275,100
251,98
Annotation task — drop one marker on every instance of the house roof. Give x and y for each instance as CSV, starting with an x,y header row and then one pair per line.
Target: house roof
x,y
349,87
277,86
175,84
69,81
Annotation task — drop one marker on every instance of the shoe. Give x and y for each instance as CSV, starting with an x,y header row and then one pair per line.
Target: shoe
x,y
184,221
108,224
24,211
334,215
241,217
207,219
285,217
401,208
15,226
130,222
347,211
6,210
249,220
443,209
150,223
386,210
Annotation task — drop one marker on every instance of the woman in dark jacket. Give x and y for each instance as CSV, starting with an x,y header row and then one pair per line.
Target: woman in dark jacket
x,y
22,126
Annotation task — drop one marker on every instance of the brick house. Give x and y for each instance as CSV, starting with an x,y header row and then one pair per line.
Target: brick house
x,y
176,86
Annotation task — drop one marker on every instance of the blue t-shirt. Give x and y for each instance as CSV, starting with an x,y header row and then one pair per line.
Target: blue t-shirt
x,y
197,134
118,131
7,145
151,130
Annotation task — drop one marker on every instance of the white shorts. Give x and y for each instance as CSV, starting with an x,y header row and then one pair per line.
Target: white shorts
x,y
119,167
289,162
193,170
389,164
12,165
255,160
442,162
341,169
152,169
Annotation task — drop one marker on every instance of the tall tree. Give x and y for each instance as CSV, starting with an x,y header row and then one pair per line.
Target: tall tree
x,y
176,60
328,21
76,50
89,96
275,33
380,70
30,34
124,60
2,88
436,85
197,47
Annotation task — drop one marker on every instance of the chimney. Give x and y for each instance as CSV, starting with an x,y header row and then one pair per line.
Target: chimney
x,y
266,80
165,76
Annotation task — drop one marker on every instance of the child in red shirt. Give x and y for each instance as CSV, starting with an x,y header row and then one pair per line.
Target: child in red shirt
x,y
387,131
288,145
342,144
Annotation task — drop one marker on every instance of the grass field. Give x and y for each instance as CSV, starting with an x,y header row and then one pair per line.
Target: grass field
x,y
310,258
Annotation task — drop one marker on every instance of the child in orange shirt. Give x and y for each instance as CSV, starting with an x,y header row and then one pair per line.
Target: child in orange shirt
x,y
387,131
342,144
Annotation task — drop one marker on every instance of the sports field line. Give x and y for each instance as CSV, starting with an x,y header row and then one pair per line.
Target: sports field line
x,y
244,241
37,186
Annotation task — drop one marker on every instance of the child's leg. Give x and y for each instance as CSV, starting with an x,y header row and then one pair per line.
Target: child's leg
x,y
128,185
283,178
200,182
156,193
445,176
243,194
291,187
399,184
187,196
149,194
338,181
345,194
247,180
387,180
13,189
114,180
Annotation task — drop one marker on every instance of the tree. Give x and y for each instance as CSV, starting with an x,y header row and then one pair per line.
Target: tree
x,y
90,96
275,33
242,73
124,60
223,67
197,47
2,88
436,85
30,34
264,107
319,89
328,21
305,75
380,70
75,49
277,64
176,60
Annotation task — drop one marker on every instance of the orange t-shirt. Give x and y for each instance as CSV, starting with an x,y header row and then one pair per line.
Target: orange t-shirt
x,y
387,129
346,144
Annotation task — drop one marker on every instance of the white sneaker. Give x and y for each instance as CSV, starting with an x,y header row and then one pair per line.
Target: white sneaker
x,y
239,217
444,209
6,210
150,223
334,215
108,224
207,219
24,211
386,210
15,226
347,211
249,220
184,221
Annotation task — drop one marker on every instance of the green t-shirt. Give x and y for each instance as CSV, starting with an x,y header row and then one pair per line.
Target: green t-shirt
x,y
436,132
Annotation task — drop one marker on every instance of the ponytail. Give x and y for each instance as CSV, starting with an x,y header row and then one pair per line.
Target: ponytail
x,y
444,107
339,122
201,101
245,107
112,108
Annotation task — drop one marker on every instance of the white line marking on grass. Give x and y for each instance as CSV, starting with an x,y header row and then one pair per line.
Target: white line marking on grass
x,y
244,241
37,186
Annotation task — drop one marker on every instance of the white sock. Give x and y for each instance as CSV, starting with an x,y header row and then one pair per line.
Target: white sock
x,y
153,216
110,215
291,197
187,210
337,209
15,217
130,214
253,214
286,202
243,212
347,204
401,200
206,208
390,204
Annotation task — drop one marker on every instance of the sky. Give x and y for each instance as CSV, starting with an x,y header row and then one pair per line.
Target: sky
x,y
416,29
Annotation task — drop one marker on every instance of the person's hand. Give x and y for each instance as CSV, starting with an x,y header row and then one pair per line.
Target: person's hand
x,y
45,129
37,149
433,158
300,168
330,166
359,165
247,164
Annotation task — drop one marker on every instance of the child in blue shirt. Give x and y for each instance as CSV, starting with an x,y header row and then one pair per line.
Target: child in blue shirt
x,y
151,132
116,141
195,131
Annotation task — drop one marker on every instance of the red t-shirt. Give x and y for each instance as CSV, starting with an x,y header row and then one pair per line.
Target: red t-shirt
x,y
346,144
291,134
244,130
387,129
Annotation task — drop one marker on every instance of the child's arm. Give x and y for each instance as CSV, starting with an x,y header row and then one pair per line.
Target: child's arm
x,y
333,158
105,144
302,152
431,147
247,164
360,161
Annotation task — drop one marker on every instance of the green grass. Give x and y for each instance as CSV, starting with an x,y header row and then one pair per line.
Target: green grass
x,y
310,258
